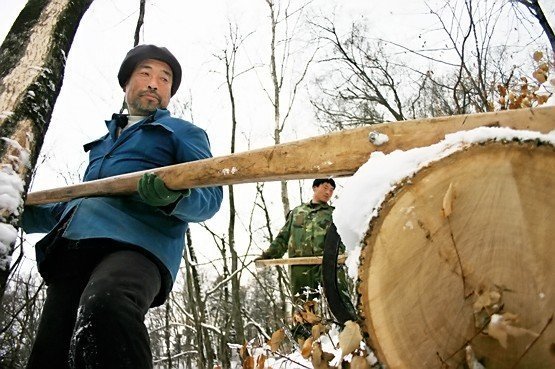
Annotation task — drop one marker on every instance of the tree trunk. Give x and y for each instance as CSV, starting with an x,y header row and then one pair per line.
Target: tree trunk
x,y
229,57
32,66
536,10
432,280
206,357
167,335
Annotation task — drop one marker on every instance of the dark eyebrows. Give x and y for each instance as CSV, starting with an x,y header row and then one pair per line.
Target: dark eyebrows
x,y
168,73
145,65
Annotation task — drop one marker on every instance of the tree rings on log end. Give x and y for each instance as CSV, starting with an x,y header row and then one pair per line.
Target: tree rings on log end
x,y
460,261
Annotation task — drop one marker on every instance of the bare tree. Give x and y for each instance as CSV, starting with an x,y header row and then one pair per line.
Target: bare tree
x,y
364,84
284,24
31,71
197,307
228,57
19,318
537,12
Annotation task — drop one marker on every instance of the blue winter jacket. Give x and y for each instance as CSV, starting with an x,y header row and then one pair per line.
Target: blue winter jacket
x,y
156,141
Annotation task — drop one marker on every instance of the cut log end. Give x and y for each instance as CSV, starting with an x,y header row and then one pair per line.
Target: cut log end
x,y
476,248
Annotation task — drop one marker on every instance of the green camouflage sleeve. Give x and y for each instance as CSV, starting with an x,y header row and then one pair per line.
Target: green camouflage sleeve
x,y
278,247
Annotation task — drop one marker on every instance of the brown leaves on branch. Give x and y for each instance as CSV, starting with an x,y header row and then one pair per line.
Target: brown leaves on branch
x,y
350,340
276,340
525,93
320,358
307,314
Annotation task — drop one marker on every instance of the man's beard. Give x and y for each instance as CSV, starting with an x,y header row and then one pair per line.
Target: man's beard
x,y
144,108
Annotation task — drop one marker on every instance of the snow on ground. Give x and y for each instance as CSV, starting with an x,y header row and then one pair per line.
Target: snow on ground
x,y
366,190
295,360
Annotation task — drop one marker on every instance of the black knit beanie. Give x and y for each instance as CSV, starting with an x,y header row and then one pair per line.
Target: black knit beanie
x,y
144,52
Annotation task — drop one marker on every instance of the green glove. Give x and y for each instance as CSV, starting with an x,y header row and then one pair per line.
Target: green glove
x,y
154,192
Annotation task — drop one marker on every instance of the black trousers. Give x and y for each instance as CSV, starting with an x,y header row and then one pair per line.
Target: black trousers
x,y
93,317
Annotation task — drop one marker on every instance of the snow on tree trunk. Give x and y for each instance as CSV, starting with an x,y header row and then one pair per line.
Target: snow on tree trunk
x,y
32,62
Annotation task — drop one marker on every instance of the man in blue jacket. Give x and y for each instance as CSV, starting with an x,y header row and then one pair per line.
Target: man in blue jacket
x,y
107,260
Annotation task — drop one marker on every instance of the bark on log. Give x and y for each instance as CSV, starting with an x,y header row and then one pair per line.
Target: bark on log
x,y
335,154
432,279
32,62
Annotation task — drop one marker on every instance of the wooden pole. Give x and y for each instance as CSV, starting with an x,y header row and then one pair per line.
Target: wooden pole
x,y
306,260
334,154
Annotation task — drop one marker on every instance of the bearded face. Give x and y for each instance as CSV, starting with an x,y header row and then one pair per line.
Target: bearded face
x,y
149,87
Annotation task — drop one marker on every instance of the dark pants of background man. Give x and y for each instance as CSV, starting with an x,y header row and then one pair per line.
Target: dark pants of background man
x,y
112,290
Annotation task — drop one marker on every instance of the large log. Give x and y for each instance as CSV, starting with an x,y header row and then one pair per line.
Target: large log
x,y
335,154
461,255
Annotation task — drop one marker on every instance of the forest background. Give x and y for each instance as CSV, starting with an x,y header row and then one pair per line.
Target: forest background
x,y
257,73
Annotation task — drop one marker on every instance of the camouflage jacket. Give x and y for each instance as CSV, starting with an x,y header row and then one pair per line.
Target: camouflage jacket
x,y
303,233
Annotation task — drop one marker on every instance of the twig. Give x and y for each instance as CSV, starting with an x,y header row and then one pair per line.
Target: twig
x,y
533,341
288,358
467,342
458,258
444,364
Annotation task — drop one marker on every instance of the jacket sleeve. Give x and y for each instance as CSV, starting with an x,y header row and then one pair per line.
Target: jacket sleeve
x,y
199,204
278,247
42,218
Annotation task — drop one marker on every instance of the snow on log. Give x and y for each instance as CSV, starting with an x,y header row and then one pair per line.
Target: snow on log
x,y
457,251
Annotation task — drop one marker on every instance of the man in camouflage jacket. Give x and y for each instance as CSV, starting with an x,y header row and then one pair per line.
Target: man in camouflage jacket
x,y
303,235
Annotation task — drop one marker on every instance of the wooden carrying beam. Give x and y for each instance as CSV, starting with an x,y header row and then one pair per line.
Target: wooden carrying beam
x,y
335,154
306,260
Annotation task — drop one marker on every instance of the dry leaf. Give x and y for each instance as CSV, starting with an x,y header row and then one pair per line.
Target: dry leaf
x,y
310,305
487,303
448,201
318,330
307,348
359,362
277,338
542,99
538,55
244,351
260,362
499,328
471,360
297,318
349,338
320,359
310,317
540,76
487,300
248,363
